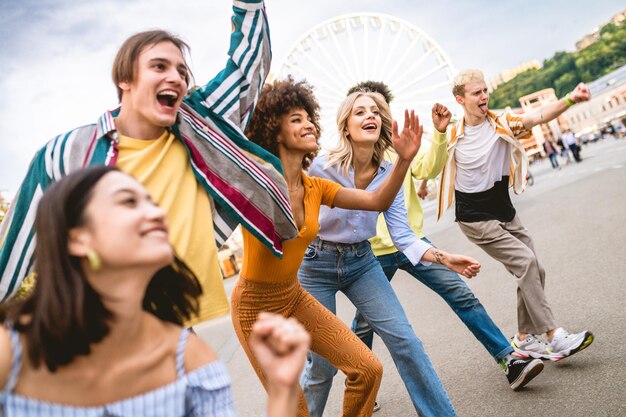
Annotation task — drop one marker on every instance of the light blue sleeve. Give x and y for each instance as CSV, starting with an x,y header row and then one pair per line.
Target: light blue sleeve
x,y
209,392
401,233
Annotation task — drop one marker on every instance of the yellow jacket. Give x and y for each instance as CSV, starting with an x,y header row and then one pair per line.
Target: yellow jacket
x,y
426,165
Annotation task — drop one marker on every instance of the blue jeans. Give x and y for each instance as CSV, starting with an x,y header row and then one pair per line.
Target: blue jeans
x,y
454,291
354,270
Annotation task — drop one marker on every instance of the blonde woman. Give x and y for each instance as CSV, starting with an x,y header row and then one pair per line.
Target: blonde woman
x,y
341,259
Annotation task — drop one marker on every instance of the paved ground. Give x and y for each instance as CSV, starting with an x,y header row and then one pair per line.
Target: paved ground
x,y
577,218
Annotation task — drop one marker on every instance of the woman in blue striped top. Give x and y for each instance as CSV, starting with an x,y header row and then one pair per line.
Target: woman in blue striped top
x,y
101,335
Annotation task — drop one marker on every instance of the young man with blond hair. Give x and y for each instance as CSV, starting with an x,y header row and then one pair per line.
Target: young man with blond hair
x,y
485,156
186,146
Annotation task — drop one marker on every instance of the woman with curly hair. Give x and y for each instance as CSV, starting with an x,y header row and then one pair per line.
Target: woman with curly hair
x,y
286,123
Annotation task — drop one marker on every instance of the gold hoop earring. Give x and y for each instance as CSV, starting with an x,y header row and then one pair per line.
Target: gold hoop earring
x,y
94,260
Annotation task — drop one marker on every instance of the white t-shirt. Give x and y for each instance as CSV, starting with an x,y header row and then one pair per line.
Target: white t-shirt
x,y
482,158
568,139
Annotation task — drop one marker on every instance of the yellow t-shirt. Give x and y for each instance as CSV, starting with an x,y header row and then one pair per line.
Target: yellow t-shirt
x,y
162,166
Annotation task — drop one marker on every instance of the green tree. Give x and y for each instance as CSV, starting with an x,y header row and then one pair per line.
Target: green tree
x,y
566,69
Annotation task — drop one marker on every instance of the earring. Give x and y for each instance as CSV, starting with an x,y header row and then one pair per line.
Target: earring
x,y
94,260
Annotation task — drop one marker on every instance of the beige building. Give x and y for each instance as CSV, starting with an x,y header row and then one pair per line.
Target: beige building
x,y
550,130
607,105
589,39
511,73
594,36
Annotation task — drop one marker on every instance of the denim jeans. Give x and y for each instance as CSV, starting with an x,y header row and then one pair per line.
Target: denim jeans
x,y
354,270
454,291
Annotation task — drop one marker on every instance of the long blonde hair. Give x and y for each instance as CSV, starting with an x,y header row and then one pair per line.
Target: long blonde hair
x,y
342,155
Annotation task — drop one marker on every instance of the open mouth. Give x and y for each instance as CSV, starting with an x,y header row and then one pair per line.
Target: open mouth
x,y
167,98
370,127
156,231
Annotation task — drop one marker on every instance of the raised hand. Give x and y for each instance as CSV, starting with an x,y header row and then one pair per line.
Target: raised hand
x,y
580,93
441,117
280,346
464,265
407,143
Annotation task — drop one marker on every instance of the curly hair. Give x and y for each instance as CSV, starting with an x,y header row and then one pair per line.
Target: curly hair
x,y
276,100
374,87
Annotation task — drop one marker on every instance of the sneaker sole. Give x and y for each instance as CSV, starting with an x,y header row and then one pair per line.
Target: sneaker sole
x,y
526,354
531,371
584,345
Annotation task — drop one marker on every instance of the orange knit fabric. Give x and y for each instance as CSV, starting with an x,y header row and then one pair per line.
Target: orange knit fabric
x,y
260,265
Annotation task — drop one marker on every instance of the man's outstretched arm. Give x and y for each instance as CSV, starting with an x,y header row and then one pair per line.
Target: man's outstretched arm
x,y
233,93
552,110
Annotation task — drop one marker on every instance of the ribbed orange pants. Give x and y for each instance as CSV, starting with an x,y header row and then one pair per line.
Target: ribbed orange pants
x,y
331,338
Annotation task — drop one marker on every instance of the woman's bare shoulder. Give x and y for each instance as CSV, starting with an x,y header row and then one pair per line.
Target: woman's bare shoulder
x,y
197,353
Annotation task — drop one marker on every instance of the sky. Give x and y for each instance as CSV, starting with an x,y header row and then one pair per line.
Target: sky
x,y
57,54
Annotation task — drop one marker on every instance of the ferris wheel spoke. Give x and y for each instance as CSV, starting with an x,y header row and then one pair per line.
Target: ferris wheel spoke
x,y
332,61
401,60
427,74
430,102
325,72
416,65
427,89
310,77
340,52
357,71
391,52
381,36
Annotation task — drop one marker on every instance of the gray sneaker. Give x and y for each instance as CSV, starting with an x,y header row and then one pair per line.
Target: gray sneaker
x,y
530,347
565,344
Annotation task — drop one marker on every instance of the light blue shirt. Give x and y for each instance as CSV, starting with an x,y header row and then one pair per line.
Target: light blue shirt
x,y
202,392
354,226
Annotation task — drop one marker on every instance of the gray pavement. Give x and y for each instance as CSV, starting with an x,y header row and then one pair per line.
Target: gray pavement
x,y
577,217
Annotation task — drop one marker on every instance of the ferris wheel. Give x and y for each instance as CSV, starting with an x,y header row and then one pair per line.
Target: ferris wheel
x,y
345,50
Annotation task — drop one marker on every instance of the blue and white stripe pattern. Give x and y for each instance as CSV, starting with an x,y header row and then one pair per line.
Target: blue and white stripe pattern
x,y
202,392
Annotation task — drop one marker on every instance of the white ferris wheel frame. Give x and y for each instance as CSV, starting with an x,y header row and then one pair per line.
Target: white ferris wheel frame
x,y
345,75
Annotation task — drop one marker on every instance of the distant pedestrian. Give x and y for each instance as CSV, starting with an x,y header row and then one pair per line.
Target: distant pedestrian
x,y
552,151
570,141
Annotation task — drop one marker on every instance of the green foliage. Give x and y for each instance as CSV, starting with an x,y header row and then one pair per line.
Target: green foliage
x,y
566,69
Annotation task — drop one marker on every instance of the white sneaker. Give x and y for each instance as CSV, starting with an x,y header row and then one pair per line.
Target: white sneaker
x,y
530,347
565,344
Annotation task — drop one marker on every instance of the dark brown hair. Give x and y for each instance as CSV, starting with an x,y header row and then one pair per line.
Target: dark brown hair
x,y
64,315
373,87
124,65
276,100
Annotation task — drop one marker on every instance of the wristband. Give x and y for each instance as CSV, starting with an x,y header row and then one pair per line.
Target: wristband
x,y
568,101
